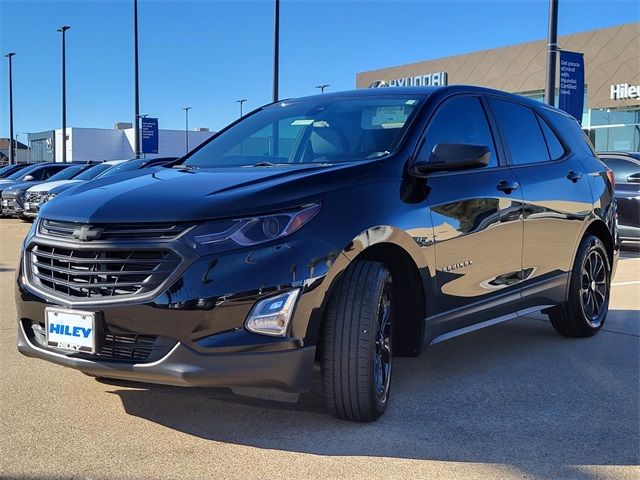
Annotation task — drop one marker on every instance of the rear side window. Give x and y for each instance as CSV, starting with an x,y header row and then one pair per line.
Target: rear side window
x,y
50,171
622,169
522,131
462,121
556,150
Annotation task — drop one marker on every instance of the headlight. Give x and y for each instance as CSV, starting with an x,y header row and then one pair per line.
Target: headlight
x,y
46,197
222,235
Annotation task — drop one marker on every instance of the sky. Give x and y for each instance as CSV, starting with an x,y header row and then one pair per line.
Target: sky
x,y
207,54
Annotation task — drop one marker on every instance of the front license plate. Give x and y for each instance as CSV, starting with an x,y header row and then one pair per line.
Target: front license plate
x,y
70,329
5,203
26,205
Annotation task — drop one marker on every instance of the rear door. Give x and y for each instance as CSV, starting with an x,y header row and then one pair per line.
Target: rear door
x,y
476,214
557,199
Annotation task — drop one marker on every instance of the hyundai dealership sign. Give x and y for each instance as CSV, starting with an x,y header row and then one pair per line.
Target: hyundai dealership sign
x,y
426,80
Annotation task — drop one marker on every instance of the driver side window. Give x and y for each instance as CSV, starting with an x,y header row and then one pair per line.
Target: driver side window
x,y
460,121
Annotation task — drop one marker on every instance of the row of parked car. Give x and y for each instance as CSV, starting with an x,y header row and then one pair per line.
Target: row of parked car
x,y
24,188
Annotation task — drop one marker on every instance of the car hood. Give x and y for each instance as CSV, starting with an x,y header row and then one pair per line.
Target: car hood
x,y
48,186
165,194
19,186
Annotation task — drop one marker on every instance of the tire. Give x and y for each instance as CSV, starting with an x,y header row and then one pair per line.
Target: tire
x,y
585,311
356,355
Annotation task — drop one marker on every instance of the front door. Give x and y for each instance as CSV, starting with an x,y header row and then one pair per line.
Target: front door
x,y
477,222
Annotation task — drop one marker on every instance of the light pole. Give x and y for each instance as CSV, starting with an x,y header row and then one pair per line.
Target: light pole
x,y
186,127
241,101
138,119
136,87
63,30
322,87
276,48
11,155
552,48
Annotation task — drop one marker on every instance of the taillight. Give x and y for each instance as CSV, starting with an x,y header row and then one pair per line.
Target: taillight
x,y
611,178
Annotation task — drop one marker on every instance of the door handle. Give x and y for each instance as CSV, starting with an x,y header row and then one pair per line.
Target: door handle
x,y
507,187
574,176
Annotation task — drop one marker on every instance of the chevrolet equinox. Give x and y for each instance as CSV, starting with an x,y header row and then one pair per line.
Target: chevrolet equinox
x,y
341,230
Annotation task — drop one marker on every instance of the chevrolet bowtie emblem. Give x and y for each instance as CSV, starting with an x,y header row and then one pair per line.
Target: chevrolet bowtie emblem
x,y
86,233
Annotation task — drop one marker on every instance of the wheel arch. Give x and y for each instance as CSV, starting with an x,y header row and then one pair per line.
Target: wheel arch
x,y
410,266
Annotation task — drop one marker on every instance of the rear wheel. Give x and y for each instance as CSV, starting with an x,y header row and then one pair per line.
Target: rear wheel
x,y
587,305
357,345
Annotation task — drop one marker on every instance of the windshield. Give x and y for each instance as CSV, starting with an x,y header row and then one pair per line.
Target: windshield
x,y
22,172
93,172
8,168
67,173
124,167
312,131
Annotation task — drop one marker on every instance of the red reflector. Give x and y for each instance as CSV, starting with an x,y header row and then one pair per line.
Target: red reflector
x,y
611,178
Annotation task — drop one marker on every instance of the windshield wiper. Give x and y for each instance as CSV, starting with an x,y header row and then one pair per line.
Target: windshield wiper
x,y
263,164
186,167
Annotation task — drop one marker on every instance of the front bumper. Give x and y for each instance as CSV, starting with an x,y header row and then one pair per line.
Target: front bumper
x,y
11,206
194,326
288,370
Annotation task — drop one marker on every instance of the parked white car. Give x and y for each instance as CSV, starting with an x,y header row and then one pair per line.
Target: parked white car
x,y
39,194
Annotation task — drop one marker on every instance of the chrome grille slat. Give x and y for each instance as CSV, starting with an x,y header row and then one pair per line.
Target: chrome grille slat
x,y
106,272
159,231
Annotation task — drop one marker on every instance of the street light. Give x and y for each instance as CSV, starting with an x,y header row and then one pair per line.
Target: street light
x,y
63,30
241,101
186,127
552,48
276,48
11,154
322,87
136,87
141,116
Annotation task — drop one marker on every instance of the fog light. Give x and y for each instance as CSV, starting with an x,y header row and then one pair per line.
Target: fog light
x,y
271,316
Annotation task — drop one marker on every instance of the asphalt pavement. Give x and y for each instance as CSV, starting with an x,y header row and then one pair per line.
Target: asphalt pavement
x,y
511,401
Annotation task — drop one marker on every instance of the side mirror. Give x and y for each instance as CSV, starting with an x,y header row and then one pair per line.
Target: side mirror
x,y
454,156
27,178
635,178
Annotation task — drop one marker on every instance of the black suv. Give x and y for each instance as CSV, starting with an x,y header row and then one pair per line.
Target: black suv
x,y
343,229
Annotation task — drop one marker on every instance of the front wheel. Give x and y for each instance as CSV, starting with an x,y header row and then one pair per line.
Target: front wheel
x,y
357,345
587,305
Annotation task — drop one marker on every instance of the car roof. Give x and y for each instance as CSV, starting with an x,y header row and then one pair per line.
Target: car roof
x,y
425,91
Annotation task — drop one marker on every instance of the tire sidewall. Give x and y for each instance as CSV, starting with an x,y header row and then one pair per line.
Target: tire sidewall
x,y
381,402
589,245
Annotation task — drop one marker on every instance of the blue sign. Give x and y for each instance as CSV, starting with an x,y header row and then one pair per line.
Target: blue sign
x,y
149,135
571,98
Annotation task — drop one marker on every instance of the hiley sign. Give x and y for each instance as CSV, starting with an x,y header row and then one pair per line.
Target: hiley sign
x,y
625,91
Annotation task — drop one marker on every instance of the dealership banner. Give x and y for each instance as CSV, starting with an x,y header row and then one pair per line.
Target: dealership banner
x,y
149,135
571,98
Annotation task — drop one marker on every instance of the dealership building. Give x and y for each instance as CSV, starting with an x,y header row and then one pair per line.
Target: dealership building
x,y
611,114
87,144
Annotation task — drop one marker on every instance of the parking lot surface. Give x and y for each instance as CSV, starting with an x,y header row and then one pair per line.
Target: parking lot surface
x,y
512,401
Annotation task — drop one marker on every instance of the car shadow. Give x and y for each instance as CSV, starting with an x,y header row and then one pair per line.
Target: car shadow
x,y
514,394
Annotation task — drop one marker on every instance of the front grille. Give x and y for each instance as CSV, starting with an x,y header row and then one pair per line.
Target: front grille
x,y
32,197
130,347
97,273
120,231
127,347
